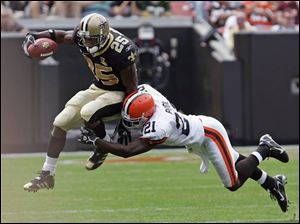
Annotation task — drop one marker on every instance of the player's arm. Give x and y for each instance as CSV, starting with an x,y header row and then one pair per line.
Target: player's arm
x,y
136,147
129,78
59,36
133,148
127,68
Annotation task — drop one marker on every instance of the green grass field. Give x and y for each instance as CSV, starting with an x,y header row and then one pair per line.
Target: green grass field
x,y
159,186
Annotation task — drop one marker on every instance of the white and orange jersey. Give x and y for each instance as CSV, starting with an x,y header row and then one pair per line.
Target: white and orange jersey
x,y
202,135
168,126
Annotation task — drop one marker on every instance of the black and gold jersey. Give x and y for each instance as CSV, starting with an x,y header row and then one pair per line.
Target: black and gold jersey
x,y
118,53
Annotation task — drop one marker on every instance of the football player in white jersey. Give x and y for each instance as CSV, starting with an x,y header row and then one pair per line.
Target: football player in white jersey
x,y
161,123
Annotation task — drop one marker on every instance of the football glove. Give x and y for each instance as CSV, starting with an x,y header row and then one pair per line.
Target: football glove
x,y
29,39
88,136
124,135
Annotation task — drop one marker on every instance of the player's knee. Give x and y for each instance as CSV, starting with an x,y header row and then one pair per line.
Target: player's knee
x,y
92,124
63,119
232,188
98,127
86,113
58,132
235,187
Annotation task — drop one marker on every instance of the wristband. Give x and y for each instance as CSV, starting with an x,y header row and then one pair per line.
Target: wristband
x,y
52,34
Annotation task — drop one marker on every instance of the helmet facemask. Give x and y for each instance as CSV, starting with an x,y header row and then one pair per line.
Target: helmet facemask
x,y
133,123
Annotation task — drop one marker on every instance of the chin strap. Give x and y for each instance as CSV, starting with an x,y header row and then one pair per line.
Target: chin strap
x,y
93,49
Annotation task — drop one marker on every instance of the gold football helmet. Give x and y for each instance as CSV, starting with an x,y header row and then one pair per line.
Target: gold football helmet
x,y
94,32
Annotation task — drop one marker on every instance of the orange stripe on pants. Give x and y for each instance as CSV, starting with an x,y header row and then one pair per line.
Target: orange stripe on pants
x,y
222,146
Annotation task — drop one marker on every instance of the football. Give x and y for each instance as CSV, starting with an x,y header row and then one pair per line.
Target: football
x,y
42,48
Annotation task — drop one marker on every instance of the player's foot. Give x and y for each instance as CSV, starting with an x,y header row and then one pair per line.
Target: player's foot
x,y
275,150
44,180
95,160
278,192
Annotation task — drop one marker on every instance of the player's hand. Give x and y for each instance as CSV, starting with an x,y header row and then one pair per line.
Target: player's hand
x,y
88,136
124,135
29,39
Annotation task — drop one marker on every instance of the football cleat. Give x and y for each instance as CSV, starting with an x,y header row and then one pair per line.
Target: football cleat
x,y
44,180
275,150
278,192
95,160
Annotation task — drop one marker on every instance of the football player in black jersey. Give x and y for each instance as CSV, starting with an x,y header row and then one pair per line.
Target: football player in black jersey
x,y
111,57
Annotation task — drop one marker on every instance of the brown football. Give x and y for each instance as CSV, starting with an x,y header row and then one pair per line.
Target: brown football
x,y
42,48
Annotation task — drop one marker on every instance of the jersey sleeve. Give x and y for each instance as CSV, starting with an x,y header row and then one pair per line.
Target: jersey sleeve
x,y
154,138
128,55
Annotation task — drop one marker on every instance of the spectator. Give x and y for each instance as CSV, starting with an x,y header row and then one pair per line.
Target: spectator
x,y
183,8
282,5
218,12
125,8
286,20
199,7
67,9
9,22
76,9
155,8
259,13
17,7
235,24
102,7
38,9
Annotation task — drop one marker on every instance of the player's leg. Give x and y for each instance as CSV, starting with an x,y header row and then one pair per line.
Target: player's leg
x,y
202,152
259,175
267,148
274,185
64,121
217,147
107,105
245,166
98,156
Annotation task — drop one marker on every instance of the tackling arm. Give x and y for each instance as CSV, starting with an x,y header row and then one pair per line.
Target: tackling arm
x,y
133,148
136,147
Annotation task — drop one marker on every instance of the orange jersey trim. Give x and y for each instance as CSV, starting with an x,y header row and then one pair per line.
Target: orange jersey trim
x,y
222,146
154,142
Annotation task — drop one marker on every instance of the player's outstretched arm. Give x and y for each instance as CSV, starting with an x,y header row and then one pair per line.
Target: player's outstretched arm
x,y
59,36
135,147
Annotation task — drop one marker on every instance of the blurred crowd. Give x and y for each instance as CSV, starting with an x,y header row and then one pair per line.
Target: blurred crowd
x,y
230,17
74,9
227,17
